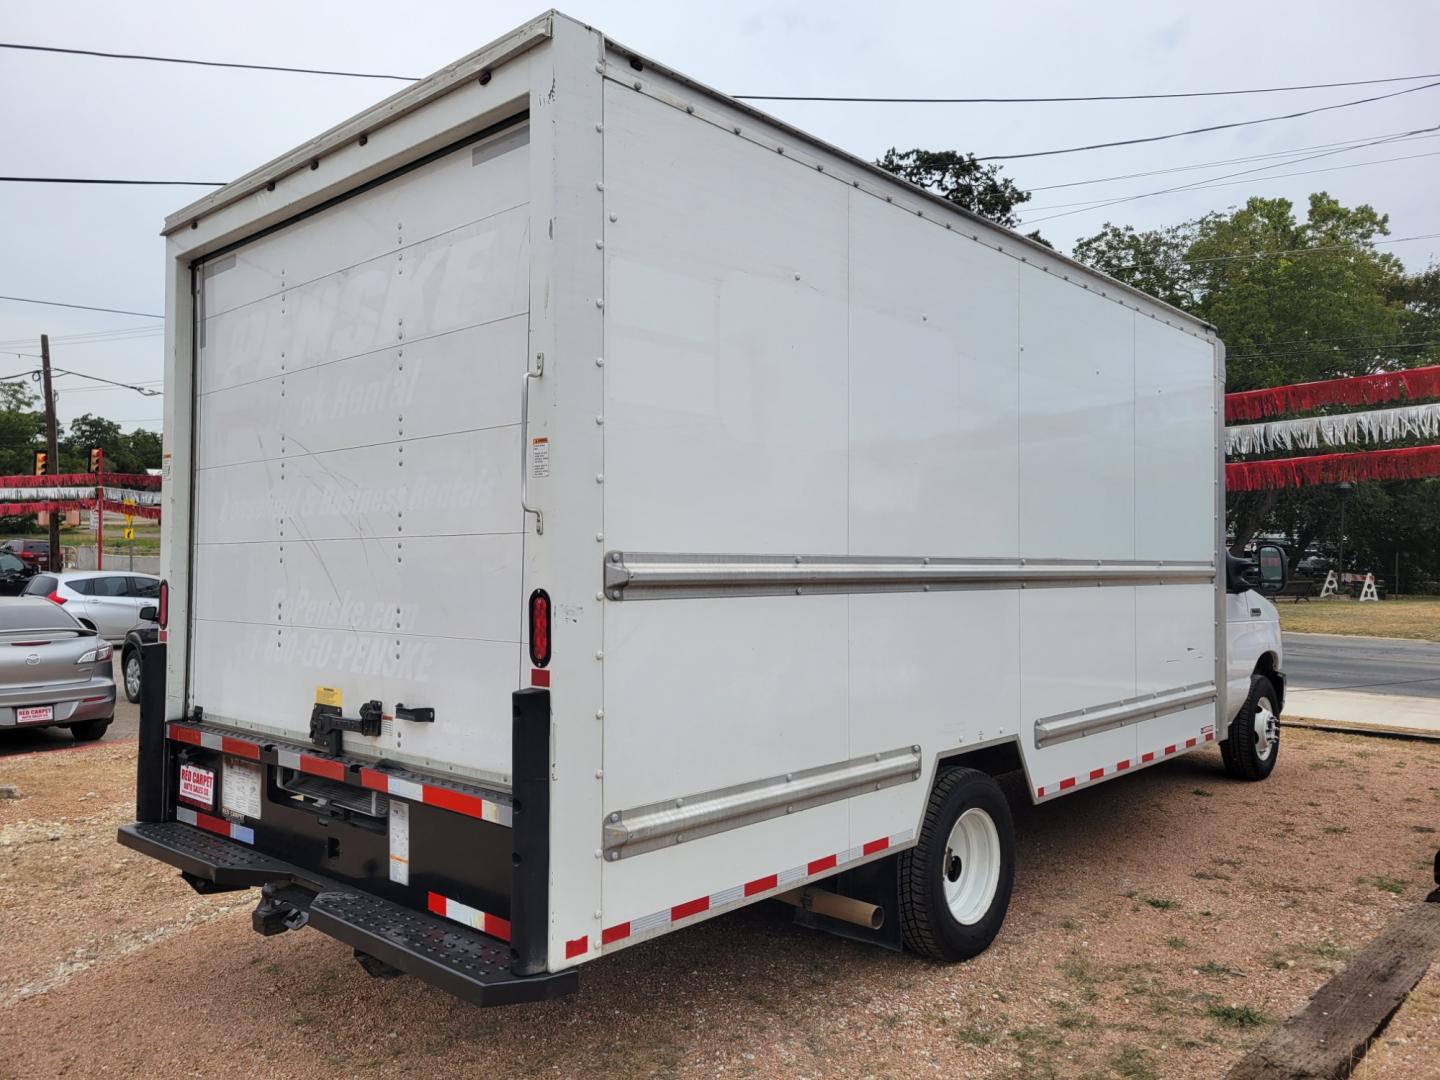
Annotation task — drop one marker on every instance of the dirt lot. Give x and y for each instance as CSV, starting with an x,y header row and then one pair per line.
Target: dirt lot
x,y
1403,617
1161,926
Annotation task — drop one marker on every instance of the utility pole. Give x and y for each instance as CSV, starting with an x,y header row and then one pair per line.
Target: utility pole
x,y
52,460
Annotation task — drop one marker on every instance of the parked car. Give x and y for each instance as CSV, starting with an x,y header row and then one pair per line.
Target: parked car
x,y
109,601
147,633
36,553
15,574
55,672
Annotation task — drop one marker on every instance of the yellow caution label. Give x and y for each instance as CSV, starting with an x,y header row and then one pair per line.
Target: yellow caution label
x,y
329,695
129,533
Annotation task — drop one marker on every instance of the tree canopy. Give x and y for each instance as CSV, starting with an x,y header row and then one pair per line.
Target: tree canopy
x,y
963,181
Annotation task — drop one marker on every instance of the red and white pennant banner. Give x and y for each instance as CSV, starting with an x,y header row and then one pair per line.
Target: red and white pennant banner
x,y
1414,383
125,493
1343,429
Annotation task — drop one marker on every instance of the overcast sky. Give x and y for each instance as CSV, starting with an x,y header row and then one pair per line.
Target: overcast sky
x,y
74,116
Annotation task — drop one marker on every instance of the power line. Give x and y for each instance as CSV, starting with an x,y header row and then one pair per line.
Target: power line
x,y
81,307
145,390
1206,185
1089,97
1264,254
1211,181
1209,128
223,64
92,180
752,97
1398,136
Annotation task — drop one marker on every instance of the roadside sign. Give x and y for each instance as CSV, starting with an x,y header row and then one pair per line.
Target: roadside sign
x,y
129,533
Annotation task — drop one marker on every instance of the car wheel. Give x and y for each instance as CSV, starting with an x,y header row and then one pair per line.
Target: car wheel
x,y
130,670
1253,745
90,730
955,883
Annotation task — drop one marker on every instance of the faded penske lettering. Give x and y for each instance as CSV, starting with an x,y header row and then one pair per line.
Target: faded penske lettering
x,y
347,498
347,398
305,607
343,652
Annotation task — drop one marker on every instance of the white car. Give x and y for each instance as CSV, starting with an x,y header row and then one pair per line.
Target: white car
x,y
107,601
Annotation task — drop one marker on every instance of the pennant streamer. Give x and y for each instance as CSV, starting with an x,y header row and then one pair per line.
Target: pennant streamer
x,y
1378,425
140,481
15,509
1410,463
1362,390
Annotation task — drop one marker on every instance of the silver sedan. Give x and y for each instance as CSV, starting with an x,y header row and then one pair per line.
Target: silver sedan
x,y
53,671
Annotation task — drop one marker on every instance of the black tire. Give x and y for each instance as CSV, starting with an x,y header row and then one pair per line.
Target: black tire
x,y
90,730
929,925
1246,755
130,657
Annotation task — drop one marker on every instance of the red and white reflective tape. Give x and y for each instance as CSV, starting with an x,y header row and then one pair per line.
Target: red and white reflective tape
x,y
438,795
212,741
779,881
446,798
218,826
1207,734
483,921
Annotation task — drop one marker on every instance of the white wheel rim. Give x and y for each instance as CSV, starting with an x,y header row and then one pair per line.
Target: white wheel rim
x,y
132,676
1267,730
971,867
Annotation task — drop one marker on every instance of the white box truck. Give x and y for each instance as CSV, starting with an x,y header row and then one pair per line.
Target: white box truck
x,y
592,505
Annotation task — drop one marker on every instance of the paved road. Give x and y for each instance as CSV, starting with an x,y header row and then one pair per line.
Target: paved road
x,y
1374,665
126,726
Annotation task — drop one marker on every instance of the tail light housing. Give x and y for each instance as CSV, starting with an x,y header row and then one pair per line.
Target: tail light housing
x,y
164,613
54,597
540,626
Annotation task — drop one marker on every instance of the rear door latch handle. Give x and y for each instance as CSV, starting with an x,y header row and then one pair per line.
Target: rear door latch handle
x,y
327,725
415,714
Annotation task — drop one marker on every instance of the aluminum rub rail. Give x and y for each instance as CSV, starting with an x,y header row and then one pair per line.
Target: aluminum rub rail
x,y
655,576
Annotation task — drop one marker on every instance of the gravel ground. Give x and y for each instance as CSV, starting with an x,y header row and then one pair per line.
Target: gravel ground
x,y
1161,926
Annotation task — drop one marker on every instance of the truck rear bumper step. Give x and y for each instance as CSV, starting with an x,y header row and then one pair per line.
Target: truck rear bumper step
x,y
462,962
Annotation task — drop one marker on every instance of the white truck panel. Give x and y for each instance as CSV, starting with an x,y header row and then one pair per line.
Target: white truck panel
x,y
925,344
357,520
1077,422
726,338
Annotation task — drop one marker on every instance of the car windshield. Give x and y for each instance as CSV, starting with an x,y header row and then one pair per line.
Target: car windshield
x,y
34,615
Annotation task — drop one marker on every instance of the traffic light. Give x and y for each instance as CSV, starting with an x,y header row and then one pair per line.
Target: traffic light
x,y
41,458
96,457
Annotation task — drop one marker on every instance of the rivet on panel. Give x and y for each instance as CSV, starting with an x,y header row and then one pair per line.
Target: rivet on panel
x,y
599,714
600,538
599,361
690,109
599,596
614,218
599,185
599,127
599,478
600,420
599,654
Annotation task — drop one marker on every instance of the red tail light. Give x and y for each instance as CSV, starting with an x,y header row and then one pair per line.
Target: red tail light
x,y
55,598
164,612
540,628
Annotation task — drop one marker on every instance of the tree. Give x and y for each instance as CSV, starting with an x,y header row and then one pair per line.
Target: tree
x,y
963,181
129,453
22,429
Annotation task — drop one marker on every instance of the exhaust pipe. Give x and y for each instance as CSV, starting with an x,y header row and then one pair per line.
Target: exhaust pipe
x,y
835,906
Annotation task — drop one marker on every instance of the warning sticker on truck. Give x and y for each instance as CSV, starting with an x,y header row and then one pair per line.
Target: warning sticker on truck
x,y
400,842
240,793
329,695
539,457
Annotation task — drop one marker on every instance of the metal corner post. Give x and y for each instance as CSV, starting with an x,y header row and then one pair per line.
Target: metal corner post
x,y
152,768
530,882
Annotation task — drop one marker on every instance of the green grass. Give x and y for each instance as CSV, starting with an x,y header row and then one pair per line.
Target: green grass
x,y
1160,903
1236,1016
1132,1063
1394,886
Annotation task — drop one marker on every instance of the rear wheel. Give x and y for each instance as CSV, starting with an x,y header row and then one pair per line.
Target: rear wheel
x,y
1253,745
90,730
955,883
130,669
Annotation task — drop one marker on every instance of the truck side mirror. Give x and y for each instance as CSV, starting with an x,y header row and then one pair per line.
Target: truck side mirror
x,y
150,613
1273,567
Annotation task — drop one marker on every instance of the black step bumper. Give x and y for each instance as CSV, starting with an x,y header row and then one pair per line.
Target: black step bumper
x,y
461,961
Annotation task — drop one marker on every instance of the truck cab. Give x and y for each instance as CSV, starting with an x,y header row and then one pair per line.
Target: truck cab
x,y
1255,679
